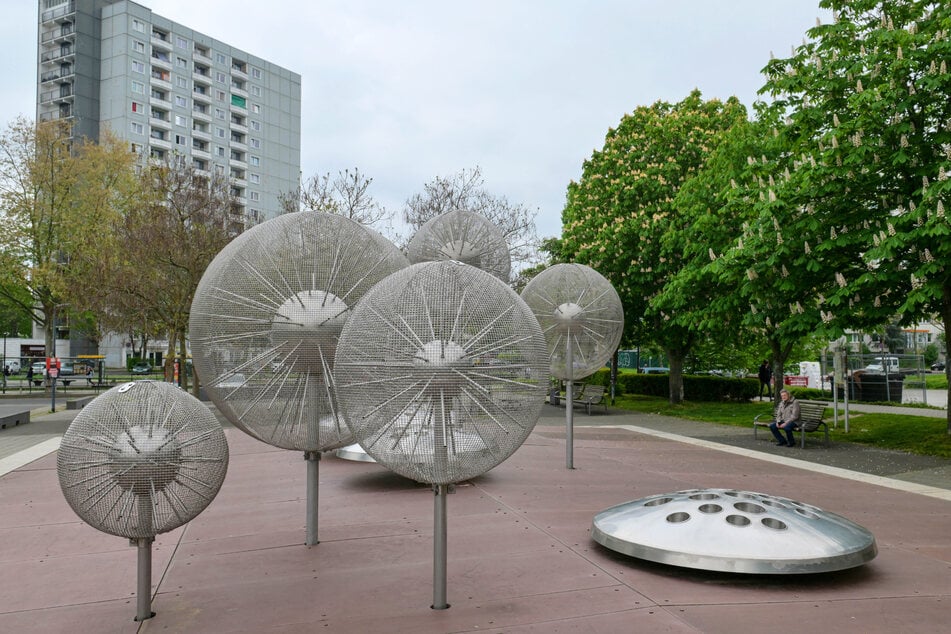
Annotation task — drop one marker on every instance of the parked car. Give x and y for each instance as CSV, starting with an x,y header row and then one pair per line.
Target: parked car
x,y
142,368
938,366
39,368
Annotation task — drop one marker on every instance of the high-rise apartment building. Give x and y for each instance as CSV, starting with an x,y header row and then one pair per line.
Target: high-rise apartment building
x,y
174,94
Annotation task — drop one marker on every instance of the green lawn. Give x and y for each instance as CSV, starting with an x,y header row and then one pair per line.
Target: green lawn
x,y
914,434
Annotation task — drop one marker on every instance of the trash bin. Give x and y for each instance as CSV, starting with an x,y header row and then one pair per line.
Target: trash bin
x,y
866,386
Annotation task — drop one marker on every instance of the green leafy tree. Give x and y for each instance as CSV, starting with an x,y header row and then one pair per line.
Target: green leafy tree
x,y
618,213
864,103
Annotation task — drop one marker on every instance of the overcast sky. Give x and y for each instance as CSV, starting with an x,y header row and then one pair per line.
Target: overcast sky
x,y
407,90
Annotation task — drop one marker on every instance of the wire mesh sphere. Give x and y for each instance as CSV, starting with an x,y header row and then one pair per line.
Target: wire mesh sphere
x,y
441,371
266,318
578,309
463,236
142,459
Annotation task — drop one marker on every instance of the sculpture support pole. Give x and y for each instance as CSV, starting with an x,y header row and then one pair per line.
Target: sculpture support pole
x,y
439,547
569,409
143,586
313,485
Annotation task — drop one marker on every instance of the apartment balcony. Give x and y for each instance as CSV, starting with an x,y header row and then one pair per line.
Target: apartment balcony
x,y
201,154
239,163
203,135
161,41
54,75
164,144
159,122
239,127
238,91
240,146
203,79
62,94
57,56
56,115
157,81
161,61
65,33
59,14
201,53
201,116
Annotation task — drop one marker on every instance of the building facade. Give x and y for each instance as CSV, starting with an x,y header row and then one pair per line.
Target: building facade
x,y
174,94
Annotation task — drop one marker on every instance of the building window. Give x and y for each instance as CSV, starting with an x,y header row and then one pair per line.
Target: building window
x,y
201,51
255,196
161,95
181,82
219,114
180,139
199,107
180,120
220,133
256,109
237,83
137,107
181,42
256,91
255,178
181,62
198,144
201,90
138,87
181,101
256,126
219,151
256,73
137,128
157,153
221,58
220,95
138,25
138,67
157,134
256,144
197,126
237,155
200,164
219,169
220,77
138,47
255,161
136,148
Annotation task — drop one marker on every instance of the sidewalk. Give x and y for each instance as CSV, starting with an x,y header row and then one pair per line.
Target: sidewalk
x,y
521,558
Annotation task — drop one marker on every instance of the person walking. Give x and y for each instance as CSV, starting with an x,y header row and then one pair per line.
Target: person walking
x,y
765,379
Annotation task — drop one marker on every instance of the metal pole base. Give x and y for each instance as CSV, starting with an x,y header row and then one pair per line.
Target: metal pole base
x,y
439,547
313,484
144,580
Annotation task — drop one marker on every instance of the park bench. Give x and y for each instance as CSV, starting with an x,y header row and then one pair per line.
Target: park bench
x,y
591,395
810,420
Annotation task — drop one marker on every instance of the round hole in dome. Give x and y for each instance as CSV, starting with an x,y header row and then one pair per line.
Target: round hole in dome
x,y
808,514
749,507
658,501
772,522
710,508
705,496
676,518
737,520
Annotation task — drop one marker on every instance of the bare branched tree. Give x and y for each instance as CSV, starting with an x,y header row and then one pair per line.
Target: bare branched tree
x,y
466,191
346,194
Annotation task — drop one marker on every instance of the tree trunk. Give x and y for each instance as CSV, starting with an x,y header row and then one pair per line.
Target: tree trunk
x,y
675,359
183,363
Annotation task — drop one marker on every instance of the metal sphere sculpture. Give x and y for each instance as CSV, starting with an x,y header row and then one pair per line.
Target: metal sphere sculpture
x,y
463,236
266,318
141,459
583,320
440,371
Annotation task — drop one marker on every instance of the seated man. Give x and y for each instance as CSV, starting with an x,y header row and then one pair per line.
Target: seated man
x,y
787,419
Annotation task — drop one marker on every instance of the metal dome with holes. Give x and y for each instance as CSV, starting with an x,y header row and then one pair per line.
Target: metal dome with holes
x,y
441,372
581,316
142,459
734,531
266,318
463,236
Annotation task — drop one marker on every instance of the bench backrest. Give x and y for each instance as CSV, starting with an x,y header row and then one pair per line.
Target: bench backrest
x,y
593,393
810,414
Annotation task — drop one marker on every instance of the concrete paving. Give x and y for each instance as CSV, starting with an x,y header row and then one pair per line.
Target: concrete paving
x,y
520,557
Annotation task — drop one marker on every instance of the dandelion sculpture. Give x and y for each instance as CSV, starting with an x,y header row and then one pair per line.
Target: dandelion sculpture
x,y
141,459
439,371
464,236
264,327
582,318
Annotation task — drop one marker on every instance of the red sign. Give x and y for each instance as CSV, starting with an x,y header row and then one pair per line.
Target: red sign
x,y
796,381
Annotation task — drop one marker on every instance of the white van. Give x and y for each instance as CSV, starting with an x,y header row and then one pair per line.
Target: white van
x,y
881,364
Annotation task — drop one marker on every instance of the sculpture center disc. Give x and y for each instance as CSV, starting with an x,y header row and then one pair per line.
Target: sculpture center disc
x,y
568,316
306,325
441,354
463,251
145,458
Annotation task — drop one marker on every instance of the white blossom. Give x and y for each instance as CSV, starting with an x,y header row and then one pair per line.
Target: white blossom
x,y
840,280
